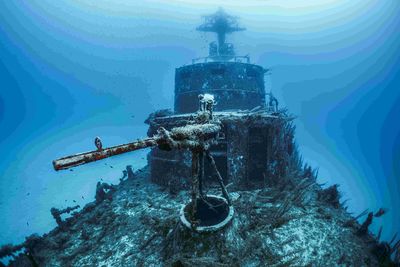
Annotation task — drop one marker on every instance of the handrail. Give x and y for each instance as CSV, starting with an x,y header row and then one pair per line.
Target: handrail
x,y
221,58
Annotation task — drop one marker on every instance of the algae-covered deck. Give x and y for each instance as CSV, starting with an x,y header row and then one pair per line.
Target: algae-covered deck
x,y
139,226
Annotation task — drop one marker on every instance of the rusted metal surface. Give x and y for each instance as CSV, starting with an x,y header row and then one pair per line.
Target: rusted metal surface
x,y
86,157
249,140
190,136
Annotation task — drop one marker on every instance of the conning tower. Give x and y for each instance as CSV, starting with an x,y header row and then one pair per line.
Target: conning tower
x,y
233,80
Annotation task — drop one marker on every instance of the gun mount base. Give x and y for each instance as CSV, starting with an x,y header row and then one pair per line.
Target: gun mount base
x,y
212,214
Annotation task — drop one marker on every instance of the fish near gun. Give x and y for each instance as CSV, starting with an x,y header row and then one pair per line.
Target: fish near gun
x,y
197,135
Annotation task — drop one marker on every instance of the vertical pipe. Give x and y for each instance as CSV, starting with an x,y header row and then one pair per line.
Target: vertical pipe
x,y
201,172
221,41
195,187
219,177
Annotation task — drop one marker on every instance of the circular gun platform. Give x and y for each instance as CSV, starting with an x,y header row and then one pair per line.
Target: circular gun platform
x,y
213,213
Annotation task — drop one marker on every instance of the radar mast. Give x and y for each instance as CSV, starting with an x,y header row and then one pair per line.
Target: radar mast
x,y
221,23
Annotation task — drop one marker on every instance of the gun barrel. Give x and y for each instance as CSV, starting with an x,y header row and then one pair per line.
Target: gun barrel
x,y
86,157
189,136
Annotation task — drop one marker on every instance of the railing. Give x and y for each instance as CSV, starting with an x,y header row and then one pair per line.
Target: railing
x,y
246,59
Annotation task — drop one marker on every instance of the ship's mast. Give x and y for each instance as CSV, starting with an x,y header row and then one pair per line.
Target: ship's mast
x,y
221,23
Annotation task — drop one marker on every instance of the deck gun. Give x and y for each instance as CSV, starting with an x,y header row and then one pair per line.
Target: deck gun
x,y
197,136
192,136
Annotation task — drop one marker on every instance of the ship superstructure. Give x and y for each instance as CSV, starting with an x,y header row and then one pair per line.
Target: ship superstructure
x,y
254,140
233,80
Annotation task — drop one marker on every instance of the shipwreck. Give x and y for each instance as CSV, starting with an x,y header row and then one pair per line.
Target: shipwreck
x,y
225,185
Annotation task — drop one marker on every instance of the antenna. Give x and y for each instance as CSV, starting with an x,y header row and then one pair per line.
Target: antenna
x,y
222,24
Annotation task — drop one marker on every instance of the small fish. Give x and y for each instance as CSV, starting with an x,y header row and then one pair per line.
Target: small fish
x,y
140,170
27,223
28,194
71,170
111,167
74,201
83,197
380,212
